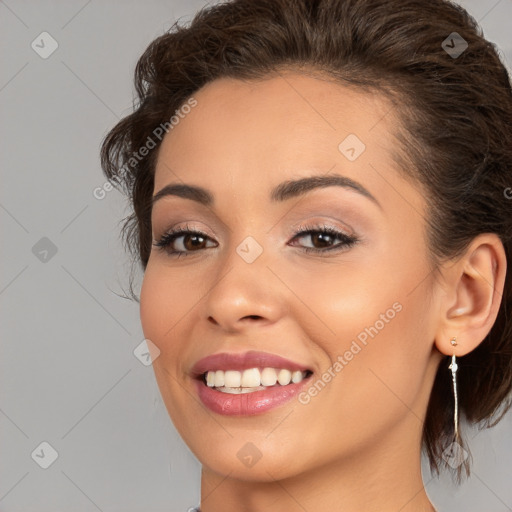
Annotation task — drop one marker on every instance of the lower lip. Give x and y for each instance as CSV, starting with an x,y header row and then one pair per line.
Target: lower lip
x,y
247,404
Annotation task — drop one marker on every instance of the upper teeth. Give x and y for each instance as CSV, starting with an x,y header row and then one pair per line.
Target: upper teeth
x,y
252,377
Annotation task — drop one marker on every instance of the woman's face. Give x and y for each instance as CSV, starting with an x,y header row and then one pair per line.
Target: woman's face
x,y
359,313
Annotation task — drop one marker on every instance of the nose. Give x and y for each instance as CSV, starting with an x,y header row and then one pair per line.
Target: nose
x,y
243,294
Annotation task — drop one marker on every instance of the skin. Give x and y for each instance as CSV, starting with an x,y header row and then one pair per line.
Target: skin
x,y
356,445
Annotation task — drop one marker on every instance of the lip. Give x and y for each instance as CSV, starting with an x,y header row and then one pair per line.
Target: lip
x,y
246,404
243,361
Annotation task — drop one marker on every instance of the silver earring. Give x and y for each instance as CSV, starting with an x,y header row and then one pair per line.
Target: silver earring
x,y
454,367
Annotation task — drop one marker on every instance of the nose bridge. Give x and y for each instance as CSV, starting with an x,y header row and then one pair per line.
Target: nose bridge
x,y
241,288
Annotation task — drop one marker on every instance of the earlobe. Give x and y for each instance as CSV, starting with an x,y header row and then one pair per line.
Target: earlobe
x,y
474,290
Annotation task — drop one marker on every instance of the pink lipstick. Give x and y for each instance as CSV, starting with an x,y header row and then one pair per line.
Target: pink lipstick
x,y
249,383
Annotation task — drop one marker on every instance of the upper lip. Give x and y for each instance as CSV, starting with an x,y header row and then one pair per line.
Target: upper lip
x,y
243,361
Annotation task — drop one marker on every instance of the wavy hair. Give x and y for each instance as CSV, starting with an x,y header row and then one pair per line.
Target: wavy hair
x,y
455,137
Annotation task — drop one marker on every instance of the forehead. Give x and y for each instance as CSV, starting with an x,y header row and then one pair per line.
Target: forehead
x,y
289,123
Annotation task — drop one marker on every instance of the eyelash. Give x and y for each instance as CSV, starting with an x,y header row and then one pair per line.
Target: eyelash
x,y
347,241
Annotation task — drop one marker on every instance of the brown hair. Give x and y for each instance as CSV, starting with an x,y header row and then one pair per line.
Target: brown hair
x,y
456,137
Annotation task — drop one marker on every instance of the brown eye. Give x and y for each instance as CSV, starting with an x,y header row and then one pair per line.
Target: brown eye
x,y
183,241
192,241
323,239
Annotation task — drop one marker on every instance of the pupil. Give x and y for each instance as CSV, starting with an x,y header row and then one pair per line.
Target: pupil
x,y
195,243
323,237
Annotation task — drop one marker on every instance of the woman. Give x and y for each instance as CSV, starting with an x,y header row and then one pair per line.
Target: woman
x,y
321,195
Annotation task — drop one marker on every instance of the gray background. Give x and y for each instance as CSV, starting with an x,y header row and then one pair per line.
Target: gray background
x,y
69,376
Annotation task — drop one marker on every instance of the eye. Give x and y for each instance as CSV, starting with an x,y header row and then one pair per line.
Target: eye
x,y
323,238
180,241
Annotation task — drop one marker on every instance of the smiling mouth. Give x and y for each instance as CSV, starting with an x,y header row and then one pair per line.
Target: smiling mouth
x,y
252,379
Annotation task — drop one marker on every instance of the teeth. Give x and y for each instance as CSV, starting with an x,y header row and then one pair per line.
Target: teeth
x,y
210,379
297,376
232,379
284,377
250,378
239,391
253,379
219,378
268,377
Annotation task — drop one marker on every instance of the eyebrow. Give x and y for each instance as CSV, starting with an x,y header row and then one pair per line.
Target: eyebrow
x,y
282,192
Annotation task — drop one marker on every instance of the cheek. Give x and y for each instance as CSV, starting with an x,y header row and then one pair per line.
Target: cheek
x,y
366,314
150,306
340,300
377,296
161,307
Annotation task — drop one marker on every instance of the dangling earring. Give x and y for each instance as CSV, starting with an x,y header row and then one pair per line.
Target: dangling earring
x,y
454,367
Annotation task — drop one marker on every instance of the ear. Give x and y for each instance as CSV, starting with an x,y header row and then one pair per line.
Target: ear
x,y
473,286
